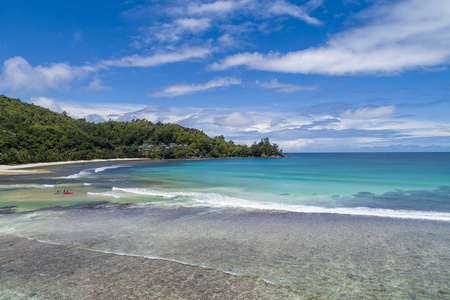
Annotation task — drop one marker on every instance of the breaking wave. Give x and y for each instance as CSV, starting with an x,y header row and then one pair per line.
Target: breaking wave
x,y
106,194
79,174
217,200
87,172
101,169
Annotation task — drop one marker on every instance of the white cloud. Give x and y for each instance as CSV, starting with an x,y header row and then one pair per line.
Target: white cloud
x,y
368,112
154,60
281,7
397,37
96,118
46,102
277,121
217,7
227,40
97,85
293,145
93,112
284,87
186,21
173,32
235,119
265,9
107,111
193,25
18,74
185,89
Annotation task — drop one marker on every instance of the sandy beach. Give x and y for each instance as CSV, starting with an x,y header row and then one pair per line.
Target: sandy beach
x,y
34,168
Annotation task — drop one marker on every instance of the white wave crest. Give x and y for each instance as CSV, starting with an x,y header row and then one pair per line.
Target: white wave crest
x,y
153,193
217,200
105,194
101,169
86,172
224,201
79,174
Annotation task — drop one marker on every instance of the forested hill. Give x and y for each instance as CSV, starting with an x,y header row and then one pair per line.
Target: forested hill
x,y
29,133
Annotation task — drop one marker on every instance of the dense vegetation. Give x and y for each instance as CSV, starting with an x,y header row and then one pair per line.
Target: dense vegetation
x,y
30,133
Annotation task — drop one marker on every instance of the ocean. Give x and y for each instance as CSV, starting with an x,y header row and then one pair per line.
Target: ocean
x,y
326,225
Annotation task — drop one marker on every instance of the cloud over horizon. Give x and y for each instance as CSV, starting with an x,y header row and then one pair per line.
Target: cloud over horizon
x,y
358,129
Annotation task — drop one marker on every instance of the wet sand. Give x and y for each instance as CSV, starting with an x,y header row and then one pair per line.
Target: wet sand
x,y
34,270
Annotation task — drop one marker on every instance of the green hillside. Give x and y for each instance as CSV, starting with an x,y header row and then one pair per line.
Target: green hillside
x,y
29,133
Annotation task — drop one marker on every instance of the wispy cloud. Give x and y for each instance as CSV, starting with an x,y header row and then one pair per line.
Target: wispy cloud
x,y
183,54
369,112
235,119
284,87
97,85
281,7
185,89
216,7
265,9
397,36
175,22
177,30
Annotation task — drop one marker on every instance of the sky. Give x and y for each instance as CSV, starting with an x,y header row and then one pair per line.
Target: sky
x,y
311,75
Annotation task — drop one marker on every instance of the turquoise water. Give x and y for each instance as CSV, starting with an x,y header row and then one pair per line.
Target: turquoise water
x,y
402,185
329,225
418,182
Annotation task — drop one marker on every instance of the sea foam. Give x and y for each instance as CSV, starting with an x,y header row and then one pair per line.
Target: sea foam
x,y
79,174
218,200
153,193
105,194
87,172
101,169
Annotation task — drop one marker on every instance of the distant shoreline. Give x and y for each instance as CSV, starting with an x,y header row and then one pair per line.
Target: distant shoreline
x,y
31,168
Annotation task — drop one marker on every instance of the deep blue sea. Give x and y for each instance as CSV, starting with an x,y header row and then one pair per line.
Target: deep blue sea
x,y
336,225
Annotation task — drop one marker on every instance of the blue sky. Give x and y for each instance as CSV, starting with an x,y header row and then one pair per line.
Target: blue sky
x,y
313,76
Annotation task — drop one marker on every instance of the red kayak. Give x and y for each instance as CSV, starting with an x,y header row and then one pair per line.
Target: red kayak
x,y
68,193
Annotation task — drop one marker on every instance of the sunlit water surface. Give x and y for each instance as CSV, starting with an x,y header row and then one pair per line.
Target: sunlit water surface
x,y
334,225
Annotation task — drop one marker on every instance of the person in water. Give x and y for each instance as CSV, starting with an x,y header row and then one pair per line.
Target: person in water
x,y
63,192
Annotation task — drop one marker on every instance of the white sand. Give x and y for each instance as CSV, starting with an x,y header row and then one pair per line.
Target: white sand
x,y
30,168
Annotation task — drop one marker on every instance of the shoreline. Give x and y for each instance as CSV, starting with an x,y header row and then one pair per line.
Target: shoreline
x,y
31,168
